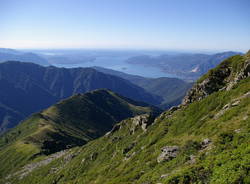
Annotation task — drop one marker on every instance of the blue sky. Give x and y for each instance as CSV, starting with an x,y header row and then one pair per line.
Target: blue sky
x,y
130,24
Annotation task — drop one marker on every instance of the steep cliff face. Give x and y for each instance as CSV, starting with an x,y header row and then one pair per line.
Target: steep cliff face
x,y
223,77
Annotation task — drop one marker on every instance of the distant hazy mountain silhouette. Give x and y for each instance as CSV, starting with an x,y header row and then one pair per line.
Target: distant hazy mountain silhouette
x,y
27,88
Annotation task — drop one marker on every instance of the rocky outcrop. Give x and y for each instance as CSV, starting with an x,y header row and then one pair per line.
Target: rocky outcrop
x,y
205,143
242,74
168,153
141,121
224,77
214,82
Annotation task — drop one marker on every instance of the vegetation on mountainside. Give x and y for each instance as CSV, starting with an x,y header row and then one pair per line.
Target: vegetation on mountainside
x,y
108,159
210,135
69,123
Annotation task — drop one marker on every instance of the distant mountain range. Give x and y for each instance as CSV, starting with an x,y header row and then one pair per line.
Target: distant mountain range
x,y
172,90
186,66
15,55
39,87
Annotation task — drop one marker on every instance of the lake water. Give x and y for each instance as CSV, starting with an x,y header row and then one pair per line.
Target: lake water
x,y
120,64
115,60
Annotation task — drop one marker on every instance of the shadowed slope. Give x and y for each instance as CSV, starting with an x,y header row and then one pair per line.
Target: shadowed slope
x,y
71,122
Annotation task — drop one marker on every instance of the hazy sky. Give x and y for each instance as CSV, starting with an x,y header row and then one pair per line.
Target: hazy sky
x,y
150,24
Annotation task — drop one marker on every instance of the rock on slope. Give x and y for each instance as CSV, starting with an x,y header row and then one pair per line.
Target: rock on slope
x,y
205,140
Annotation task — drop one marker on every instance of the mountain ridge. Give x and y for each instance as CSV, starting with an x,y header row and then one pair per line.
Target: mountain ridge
x,y
187,65
39,87
69,123
12,54
171,90
203,141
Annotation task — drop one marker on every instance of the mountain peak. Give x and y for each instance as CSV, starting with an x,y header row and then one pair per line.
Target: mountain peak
x,y
76,120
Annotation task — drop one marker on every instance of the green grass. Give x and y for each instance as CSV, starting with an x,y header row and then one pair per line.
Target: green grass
x,y
226,162
69,123
125,157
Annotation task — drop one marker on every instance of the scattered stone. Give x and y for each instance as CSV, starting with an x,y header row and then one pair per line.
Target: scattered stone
x,y
164,175
205,143
93,156
220,113
128,156
236,103
114,139
69,157
246,95
127,149
192,159
245,118
54,170
168,153
226,106
237,131
114,154
30,167
83,160
233,103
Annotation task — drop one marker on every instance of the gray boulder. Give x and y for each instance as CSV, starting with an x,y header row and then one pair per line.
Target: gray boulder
x,y
168,153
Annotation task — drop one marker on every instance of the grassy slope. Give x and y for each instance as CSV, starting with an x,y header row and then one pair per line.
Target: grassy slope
x,y
69,123
124,158
227,161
